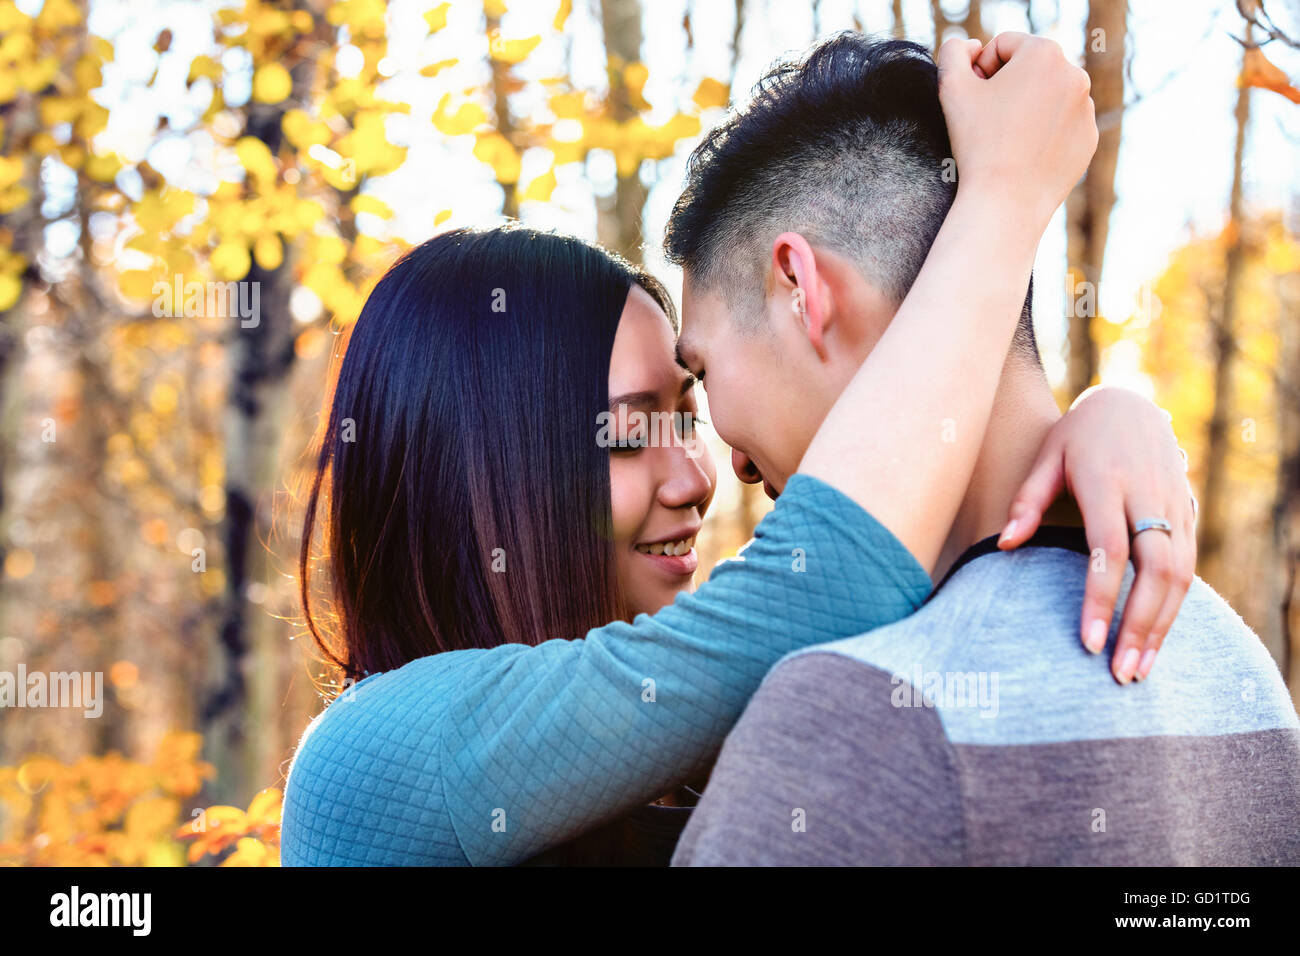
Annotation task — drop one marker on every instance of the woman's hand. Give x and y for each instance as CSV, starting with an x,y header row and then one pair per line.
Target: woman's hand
x,y
1032,98
1117,454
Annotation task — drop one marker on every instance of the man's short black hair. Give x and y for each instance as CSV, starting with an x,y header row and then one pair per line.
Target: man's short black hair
x,y
848,147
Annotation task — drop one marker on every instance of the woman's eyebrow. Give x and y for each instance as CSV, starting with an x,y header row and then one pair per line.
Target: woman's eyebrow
x,y
634,398
650,398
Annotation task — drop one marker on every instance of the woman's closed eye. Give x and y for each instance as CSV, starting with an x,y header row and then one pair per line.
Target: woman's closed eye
x,y
686,423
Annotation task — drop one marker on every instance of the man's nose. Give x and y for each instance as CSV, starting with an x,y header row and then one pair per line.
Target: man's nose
x,y
745,468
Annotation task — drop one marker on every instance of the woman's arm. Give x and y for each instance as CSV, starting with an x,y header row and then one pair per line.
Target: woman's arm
x,y
558,738
490,756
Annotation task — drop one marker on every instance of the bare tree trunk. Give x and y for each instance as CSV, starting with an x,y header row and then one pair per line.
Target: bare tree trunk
x,y
24,229
618,223
974,24
505,124
1089,204
1213,502
237,713
899,26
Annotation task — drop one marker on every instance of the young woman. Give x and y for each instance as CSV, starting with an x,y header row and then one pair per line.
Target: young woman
x,y
475,525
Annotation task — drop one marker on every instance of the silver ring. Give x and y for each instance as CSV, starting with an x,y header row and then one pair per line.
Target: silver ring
x,y
1153,524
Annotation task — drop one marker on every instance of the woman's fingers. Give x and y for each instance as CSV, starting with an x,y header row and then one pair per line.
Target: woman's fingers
x,y
1037,492
1102,507
1183,547
1153,561
999,51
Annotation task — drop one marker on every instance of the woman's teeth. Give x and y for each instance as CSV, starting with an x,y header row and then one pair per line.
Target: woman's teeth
x,y
670,548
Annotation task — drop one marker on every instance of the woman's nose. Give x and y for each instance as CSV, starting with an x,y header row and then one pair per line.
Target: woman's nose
x,y
688,482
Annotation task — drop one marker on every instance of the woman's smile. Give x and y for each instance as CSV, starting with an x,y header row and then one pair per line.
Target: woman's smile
x,y
674,555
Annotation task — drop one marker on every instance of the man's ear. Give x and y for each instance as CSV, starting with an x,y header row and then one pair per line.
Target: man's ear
x,y
794,269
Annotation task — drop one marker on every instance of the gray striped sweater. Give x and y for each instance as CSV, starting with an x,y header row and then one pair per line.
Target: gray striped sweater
x,y
979,731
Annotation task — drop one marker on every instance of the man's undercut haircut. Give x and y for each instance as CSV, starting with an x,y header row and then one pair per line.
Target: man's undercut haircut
x,y
847,147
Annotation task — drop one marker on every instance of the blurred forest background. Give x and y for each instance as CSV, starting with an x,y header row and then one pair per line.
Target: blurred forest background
x,y
147,454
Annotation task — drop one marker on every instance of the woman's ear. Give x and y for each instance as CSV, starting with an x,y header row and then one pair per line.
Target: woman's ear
x,y
795,271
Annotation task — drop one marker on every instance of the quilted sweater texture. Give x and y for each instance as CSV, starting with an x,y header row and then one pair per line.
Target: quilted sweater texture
x,y
487,757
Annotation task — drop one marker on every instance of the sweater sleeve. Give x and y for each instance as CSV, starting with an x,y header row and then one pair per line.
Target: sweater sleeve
x,y
541,743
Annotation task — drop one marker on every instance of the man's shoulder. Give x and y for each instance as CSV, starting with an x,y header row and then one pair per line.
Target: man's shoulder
x,y
996,655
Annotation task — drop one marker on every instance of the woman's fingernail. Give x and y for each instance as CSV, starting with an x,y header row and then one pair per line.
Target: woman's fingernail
x,y
1096,636
1128,665
1148,659
1008,531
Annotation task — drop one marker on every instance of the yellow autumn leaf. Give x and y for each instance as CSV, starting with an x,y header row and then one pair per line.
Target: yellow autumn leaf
x,y
249,852
60,109
72,155
496,9
370,204
562,14
204,66
268,251
303,131
103,166
467,118
93,120
11,170
495,150
255,156
437,17
511,51
540,189
163,399
711,93
433,69
88,73
271,83
230,260
635,77
265,807
136,284
11,287
442,216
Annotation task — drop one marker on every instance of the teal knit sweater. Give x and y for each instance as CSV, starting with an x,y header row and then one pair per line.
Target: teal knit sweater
x,y
490,756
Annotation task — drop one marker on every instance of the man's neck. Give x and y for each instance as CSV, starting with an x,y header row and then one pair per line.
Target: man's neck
x,y
1023,413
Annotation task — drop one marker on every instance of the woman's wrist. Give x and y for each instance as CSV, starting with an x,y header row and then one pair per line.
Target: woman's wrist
x,y
1010,224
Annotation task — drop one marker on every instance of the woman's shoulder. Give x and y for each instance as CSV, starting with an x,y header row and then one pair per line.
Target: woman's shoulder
x,y
365,786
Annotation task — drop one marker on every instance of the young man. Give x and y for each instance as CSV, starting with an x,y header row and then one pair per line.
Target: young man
x,y
977,731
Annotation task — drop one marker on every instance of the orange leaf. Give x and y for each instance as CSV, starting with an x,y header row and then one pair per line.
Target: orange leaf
x,y
1257,71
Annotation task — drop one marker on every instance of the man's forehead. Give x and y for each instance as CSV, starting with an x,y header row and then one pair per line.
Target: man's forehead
x,y
699,305
696,306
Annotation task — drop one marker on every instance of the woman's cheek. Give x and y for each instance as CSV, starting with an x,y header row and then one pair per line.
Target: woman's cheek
x,y
629,502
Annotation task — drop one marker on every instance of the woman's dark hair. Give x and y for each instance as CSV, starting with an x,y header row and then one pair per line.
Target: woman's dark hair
x,y
461,496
